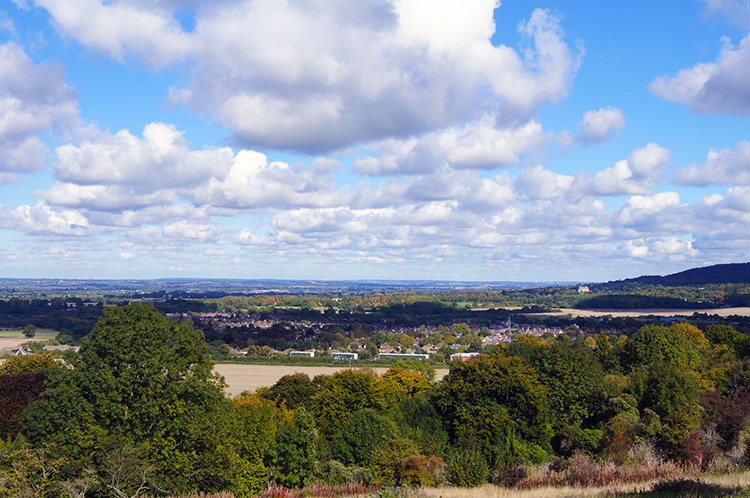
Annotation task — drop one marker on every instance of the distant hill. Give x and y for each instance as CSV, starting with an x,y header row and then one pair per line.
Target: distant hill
x,y
733,273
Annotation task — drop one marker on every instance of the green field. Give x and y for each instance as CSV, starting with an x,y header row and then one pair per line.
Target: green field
x,y
41,334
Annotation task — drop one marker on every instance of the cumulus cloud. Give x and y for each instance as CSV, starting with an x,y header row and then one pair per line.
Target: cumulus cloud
x,y
599,126
670,247
476,145
161,159
103,197
471,191
643,209
252,182
535,182
721,167
121,29
635,175
33,100
712,87
318,75
42,219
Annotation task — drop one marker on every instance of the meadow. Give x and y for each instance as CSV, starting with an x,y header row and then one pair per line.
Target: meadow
x,y
13,337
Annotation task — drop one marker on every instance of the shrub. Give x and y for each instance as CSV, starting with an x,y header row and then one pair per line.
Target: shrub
x,y
467,468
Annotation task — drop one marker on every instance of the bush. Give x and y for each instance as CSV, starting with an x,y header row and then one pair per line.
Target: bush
x,y
510,476
467,468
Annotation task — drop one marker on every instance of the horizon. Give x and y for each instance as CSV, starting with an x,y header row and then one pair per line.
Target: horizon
x,y
403,140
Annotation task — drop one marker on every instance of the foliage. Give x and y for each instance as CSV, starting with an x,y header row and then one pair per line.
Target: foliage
x,y
467,468
29,331
147,380
293,455
365,431
341,395
655,343
483,399
398,384
294,391
17,391
32,363
27,471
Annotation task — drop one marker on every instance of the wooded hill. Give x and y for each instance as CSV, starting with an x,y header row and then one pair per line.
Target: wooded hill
x,y
732,273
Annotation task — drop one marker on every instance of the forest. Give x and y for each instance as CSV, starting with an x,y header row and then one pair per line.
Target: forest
x,y
139,412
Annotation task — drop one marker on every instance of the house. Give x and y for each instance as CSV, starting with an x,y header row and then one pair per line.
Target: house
x,y
16,351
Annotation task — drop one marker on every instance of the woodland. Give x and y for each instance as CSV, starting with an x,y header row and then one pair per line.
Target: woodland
x,y
139,412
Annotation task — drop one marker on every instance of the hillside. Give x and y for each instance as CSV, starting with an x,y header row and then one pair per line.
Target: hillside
x,y
733,273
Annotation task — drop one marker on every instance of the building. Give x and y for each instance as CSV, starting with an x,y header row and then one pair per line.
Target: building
x,y
305,354
402,356
463,356
345,356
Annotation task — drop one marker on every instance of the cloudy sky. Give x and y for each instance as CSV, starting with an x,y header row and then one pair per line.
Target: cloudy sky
x,y
395,139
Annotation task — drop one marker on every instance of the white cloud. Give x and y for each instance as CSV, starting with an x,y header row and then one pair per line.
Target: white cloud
x,y
103,197
161,159
599,126
660,248
476,145
722,86
643,209
121,29
735,11
318,75
535,182
635,175
42,219
253,182
33,100
466,187
721,167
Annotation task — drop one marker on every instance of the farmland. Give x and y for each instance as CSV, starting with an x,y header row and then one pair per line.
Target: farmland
x,y
241,377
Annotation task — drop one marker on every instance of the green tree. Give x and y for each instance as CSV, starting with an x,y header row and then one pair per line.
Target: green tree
x,y
571,374
655,343
341,395
483,400
366,431
293,455
29,331
147,381
293,390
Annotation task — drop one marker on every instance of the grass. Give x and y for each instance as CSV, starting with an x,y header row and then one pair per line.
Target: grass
x,y
41,334
735,485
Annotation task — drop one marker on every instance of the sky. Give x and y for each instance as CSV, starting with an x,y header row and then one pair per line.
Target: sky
x,y
464,140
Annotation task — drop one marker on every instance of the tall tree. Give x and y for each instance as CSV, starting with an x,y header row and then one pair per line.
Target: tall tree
x,y
145,382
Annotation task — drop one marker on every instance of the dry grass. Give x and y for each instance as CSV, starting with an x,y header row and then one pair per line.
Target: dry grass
x,y
728,481
241,377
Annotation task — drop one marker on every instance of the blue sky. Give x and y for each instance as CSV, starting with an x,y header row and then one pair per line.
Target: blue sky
x,y
401,139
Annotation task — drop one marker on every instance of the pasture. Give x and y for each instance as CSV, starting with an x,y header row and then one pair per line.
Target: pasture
x,y
10,338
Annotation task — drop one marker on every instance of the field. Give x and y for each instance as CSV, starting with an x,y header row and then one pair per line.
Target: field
x,y
724,312
14,337
242,377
